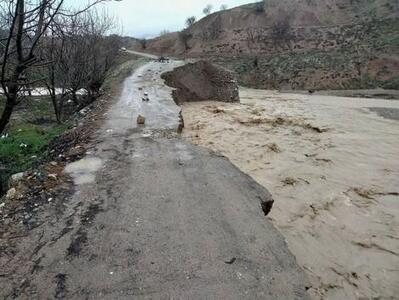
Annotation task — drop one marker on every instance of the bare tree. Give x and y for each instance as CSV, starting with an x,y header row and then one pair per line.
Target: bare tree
x,y
101,51
213,30
223,7
24,24
185,37
260,7
143,43
164,32
207,10
281,33
190,21
254,36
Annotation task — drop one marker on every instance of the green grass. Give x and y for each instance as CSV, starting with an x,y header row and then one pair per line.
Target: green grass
x,y
25,145
24,130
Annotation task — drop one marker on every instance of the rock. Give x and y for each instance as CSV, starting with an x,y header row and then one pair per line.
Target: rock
x,y
16,178
83,111
11,194
140,120
76,152
267,205
52,176
201,81
41,176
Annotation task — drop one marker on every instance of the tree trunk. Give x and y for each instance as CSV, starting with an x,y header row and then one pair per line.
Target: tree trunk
x,y
75,98
7,112
55,105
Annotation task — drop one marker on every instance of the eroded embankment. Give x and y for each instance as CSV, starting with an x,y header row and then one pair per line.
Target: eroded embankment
x,y
202,81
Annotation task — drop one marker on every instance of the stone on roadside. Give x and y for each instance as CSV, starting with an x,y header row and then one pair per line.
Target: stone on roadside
x,y
11,194
52,176
76,152
16,178
140,120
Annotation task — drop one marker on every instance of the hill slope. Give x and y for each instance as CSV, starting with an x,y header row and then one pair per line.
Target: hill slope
x,y
296,43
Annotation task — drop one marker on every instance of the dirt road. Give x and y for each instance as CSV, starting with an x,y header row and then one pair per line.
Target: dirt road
x,y
154,218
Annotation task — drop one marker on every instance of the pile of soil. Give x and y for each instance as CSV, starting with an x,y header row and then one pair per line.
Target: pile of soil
x,y
201,81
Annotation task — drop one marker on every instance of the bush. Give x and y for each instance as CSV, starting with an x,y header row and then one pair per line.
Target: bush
x,y
260,7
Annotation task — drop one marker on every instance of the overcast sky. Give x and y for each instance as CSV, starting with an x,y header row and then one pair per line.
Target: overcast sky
x,y
147,18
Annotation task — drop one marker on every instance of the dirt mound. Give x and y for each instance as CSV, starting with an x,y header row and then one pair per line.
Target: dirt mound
x,y
202,81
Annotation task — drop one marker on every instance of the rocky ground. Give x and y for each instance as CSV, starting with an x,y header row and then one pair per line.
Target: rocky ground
x,y
332,165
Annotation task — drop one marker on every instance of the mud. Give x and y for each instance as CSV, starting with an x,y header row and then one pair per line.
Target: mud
x,y
201,81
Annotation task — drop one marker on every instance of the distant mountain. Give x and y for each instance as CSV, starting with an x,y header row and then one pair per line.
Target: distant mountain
x,y
300,44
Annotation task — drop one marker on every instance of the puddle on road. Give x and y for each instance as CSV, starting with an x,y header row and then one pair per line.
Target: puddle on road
x,y
84,170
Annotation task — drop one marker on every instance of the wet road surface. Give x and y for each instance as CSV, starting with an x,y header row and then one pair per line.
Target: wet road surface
x,y
156,218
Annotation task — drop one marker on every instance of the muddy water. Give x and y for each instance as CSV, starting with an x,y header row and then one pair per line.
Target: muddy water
x,y
159,111
332,165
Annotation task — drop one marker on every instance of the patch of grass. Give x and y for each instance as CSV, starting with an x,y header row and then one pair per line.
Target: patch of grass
x,y
25,145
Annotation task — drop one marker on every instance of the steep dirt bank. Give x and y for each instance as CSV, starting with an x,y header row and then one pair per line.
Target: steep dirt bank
x,y
201,81
332,165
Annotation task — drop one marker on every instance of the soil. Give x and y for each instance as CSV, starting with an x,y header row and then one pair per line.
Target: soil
x,y
201,81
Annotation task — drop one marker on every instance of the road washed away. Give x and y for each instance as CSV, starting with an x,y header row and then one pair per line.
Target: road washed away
x,y
154,217
332,165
